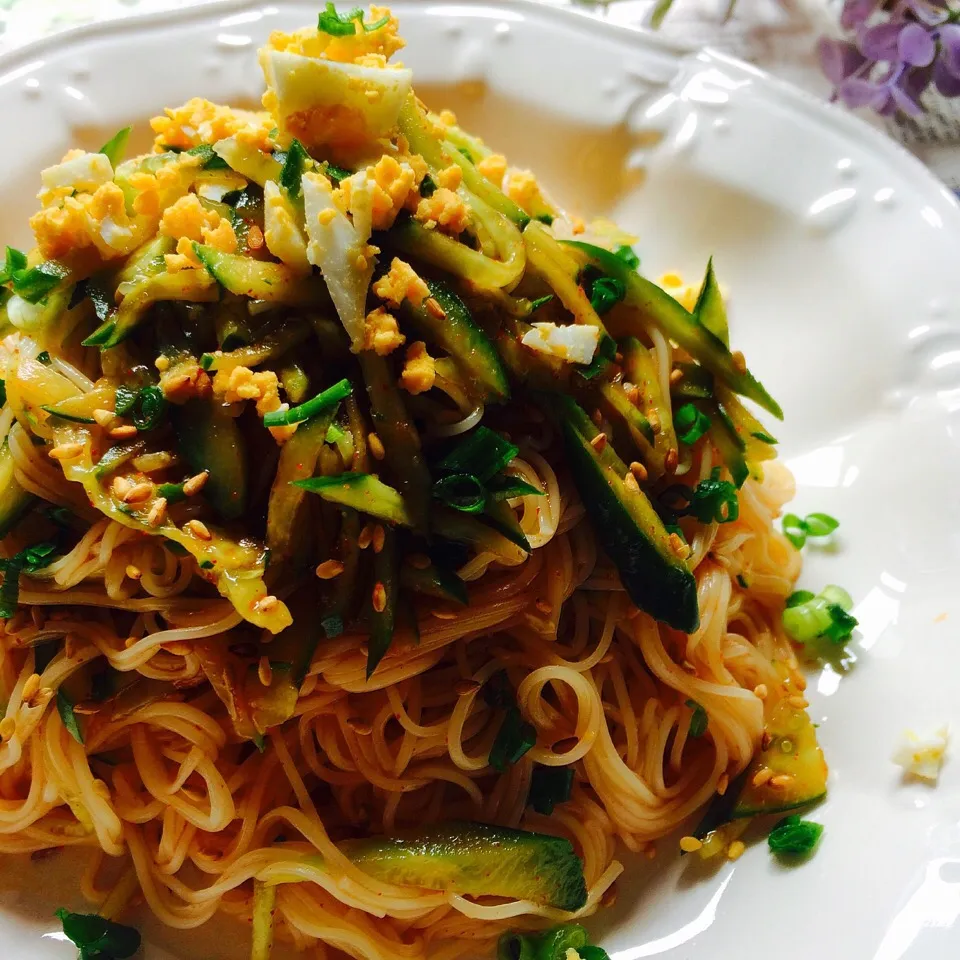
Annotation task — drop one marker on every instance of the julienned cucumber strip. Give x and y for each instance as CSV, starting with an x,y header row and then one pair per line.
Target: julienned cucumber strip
x,y
682,327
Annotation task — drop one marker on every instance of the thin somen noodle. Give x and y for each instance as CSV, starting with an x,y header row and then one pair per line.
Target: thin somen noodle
x,y
320,584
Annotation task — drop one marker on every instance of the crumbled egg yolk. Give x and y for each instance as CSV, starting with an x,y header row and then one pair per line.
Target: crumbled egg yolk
x,y
200,121
363,47
445,210
494,167
419,370
187,221
401,282
242,383
922,757
522,188
381,333
451,177
393,186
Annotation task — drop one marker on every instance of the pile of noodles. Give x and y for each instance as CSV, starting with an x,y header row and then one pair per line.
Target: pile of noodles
x,y
190,815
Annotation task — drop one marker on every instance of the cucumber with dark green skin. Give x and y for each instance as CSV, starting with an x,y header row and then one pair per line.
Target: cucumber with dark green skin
x,y
658,307
270,346
434,581
209,439
363,492
386,574
470,530
626,524
640,369
14,500
399,436
459,336
260,279
501,516
477,859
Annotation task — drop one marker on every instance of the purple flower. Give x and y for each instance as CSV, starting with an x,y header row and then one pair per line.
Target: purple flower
x,y
892,54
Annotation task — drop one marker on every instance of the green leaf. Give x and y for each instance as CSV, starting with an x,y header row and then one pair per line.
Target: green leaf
x,y
69,718
115,148
699,721
794,836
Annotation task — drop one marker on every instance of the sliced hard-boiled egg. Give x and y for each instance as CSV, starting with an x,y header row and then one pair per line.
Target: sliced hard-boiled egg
x,y
85,172
339,250
282,235
323,102
575,343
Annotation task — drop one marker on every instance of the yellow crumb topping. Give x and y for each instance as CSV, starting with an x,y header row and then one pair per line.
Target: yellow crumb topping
x,y
522,188
419,370
381,332
242,383
445,210
200,121
401,282
367,48
494,167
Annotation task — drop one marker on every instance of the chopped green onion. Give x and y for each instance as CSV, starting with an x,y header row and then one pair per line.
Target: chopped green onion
x,y
628,256
513,740
29,561
98,938
466,153
330,396
35,283
428,186
93,290
742,580
546,218
548,787
150,408
210,159
551,944
711,501
540,301
345,25
820,524
504,487
206,564
483,452
812,525
72,418
16,262
69,718
116,146
335,173
497,691
691,424
125,400
462,491
43,357
291,173
606,352
332,626
794,836
827,615
605,292
763,437
699,721
3,393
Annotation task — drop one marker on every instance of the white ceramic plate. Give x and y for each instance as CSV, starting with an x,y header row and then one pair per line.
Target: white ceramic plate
x,y
842,256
